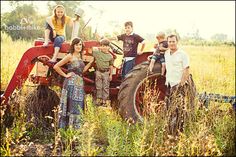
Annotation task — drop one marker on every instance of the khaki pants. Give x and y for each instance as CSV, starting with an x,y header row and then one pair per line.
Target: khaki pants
x,y
102,85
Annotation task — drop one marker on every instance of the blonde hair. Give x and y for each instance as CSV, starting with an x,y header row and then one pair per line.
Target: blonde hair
x,y
160,35
55,15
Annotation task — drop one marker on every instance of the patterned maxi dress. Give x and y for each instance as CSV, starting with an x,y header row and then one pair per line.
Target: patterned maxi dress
x,y
72,96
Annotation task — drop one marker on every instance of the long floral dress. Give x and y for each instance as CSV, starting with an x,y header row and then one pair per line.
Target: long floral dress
x,y
72,96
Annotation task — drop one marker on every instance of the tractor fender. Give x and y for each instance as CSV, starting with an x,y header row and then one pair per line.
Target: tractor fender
x,y
143,57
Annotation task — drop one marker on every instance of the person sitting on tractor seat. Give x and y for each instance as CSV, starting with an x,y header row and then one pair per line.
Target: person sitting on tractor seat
x,y
130,46
104,65
55,28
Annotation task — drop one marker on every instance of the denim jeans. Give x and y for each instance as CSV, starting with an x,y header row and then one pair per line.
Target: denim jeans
x,y
58,40
127,66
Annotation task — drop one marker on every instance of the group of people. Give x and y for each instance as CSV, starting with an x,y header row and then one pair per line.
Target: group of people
x,y
175,62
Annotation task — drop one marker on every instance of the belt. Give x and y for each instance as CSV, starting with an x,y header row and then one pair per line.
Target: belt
x,y
103,70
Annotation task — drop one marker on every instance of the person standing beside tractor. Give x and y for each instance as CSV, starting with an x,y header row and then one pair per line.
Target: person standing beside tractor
x,y
55,28
130,47
72,95
180,85
158,54
104,63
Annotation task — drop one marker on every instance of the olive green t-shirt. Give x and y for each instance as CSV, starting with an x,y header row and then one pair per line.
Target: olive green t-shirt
x,y
103,60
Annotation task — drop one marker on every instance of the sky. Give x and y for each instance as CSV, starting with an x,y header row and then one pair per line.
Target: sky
x,y
209,17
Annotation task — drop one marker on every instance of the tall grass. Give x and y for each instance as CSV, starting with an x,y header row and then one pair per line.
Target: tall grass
x,y
11,53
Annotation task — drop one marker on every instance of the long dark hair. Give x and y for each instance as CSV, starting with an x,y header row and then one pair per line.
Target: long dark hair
x,y
63,17
72,46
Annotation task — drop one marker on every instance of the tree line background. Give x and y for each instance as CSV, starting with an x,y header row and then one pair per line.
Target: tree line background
x,y
32,25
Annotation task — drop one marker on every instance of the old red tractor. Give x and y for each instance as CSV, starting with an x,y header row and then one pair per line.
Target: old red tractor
x,y
129,92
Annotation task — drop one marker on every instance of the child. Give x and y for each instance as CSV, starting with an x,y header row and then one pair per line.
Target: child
x,y
159,52
104,62
55,29
130,46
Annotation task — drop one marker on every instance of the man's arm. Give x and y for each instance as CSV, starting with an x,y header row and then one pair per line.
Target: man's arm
x,y
185,76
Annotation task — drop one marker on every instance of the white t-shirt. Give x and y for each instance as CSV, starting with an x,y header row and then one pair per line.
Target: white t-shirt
x,y
75,29
175,64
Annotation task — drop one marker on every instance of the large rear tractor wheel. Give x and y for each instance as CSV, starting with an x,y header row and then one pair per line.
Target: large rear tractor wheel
x,y
138,90
40,103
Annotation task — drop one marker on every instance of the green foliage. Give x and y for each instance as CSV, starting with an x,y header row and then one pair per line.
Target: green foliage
x,y
23,22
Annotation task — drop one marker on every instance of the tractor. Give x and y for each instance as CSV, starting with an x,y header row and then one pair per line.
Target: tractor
x,y
35,66
128,91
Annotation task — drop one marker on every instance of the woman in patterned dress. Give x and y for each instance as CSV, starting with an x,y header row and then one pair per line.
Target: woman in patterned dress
x,y
72,96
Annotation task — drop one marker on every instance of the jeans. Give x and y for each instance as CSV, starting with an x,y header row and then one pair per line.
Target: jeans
x,y
127,66
58,40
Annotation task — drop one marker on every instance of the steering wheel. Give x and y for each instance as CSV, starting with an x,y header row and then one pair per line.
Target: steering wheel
x,y
116,49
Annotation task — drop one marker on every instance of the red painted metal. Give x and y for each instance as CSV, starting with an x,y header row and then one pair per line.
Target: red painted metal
x,y
143,57
24,68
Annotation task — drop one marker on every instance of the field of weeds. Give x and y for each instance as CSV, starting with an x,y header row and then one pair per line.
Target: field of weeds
x,y
209,132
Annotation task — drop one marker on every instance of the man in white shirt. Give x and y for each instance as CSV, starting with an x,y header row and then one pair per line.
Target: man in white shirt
x,y
181,88
177,63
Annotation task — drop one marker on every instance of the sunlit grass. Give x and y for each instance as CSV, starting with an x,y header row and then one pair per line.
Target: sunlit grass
x,y
11,53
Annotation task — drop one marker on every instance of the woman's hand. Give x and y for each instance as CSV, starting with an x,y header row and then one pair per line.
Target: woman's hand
x,y
70,74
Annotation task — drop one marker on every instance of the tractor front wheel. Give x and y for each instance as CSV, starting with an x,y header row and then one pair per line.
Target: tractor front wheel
x,y
40,103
